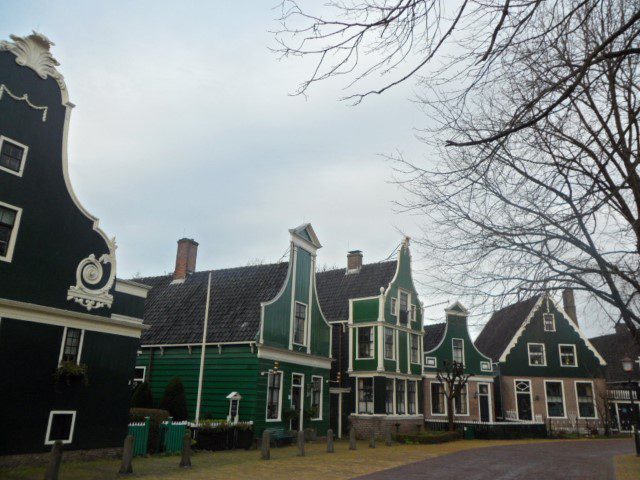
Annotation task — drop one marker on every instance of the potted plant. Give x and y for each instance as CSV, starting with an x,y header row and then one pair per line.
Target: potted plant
x,y
71,374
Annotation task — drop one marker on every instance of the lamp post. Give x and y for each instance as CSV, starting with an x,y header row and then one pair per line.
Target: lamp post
x,y
627,366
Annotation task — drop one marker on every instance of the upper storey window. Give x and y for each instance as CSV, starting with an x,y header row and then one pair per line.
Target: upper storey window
x,y
9,220
458,350
12,156
299,325
365,342
549,321
537,356
404,305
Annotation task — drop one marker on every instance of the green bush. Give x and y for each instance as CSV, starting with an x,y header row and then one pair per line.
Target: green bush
x,y
70,372
156,417
142,396
174,400
428,437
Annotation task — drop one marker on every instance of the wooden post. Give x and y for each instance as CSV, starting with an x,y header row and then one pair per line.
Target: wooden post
x,y
265,446
372,442
127,455
329,441
301,443
387,436
185,462
352,438
54,461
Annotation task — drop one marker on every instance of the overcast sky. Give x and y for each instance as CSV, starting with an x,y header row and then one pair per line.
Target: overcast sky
x,y
184,126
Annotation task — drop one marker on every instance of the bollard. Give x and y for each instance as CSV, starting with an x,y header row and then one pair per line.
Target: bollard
x,y
54,461
329,441
372,442
387,437
352,438
185,461
265,446
300,443
127,455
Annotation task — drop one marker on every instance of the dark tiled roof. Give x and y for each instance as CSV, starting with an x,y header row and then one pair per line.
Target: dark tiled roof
x,y
335,287
432,335
613,348
502,326
176,312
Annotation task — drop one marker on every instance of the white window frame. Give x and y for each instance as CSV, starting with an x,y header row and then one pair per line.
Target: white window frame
x,y
384,345
266,407
302,377
319,417
398,303
444,387
431,362
455,413
144,373
463,352
564,399
575,354
304,327
414,312
404,395
417,339
544,325
393,396
22,161
235,419
488,384
394,306
64,339
373,348
593,392
47,440
515,396
544,355
14,232
417,384
373,395
484,364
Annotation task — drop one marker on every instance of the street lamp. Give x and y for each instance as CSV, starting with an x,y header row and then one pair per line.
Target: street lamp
x,y
627,366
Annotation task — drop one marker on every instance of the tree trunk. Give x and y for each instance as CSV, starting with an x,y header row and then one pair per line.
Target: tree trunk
x,y
450,413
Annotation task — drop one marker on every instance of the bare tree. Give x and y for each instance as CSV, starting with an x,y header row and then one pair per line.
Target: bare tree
x,y
452,376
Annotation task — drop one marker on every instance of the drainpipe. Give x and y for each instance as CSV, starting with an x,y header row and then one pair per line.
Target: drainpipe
x,y
202,349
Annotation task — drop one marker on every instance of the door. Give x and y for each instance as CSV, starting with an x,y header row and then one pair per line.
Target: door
x,y
297,397
523,400
625,416
483,402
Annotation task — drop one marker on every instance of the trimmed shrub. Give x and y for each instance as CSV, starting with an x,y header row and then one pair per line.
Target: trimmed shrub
x,y
174,400
156,417
142,396
428,437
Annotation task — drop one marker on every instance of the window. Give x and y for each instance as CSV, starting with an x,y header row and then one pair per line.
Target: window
x,y
389,390
71,345
413,313
316,398
365,342
12,156
394,306
549,322
404,305
365,395
234,407
60,427
438,404
411,396
274,387
555,400
460,402
485,366
389,346
458,350
299,324
568,355
536,354
9,221
430,362
400,388
139,374
586,404
415,348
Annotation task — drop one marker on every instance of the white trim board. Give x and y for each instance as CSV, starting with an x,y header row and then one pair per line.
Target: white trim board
x,y
47,440
288,356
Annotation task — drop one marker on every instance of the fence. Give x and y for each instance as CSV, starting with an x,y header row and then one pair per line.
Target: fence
x,y
171,435
140,433
492,430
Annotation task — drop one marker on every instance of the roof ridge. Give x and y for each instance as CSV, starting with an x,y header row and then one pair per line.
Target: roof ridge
x,y
212,270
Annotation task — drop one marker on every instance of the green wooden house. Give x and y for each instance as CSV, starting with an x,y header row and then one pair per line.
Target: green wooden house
x,y
376,318
450,342
256,332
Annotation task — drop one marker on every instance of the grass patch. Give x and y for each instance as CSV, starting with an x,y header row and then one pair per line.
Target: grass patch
x,y
627,467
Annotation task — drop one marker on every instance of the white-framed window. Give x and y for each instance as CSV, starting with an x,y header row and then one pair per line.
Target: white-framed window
x,y
365,343
461,402
415,348
414,314
365,395
403,300
234,407
71,349
412,394
549,322
568,357
457,345
537,357
9,223
13,156
431,362
139,374
554,391
274,396
485,366
400,396
389,344
316,397
390,389
438,400
299,324
61,426
586,400
394,306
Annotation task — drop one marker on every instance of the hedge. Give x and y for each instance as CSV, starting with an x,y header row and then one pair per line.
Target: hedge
x,y
428,437
156,417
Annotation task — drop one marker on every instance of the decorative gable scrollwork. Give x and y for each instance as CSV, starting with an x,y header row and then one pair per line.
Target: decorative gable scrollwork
x,y
94,279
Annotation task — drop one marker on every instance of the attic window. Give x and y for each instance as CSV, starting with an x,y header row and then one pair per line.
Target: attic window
x,y
12,156
299,324
549,321
485,366
394,306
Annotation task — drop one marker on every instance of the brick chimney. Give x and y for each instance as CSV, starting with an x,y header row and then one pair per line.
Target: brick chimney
x,y
185,258
569,304
354,261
